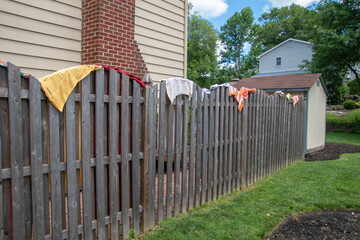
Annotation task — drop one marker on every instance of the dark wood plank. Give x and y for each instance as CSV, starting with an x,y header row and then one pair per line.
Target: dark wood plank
x,y
198,147
257,122
85,158
136,157
125,148
244,133
170,159
1,199
184,179
192,148
221,143
153,113
99,154
55,180
70,167
211,147
204,149
45,157
178,124
226,142
238,150
216,146
26,159
5,163
36,158
161,150
16,151
231,141
113,151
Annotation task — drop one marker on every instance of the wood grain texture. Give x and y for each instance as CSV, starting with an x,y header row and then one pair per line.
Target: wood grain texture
x,y
36,158
113,125
16,151
99,153
85,158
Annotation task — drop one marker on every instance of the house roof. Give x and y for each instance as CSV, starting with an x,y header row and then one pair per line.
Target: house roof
x,y
281,82
288,40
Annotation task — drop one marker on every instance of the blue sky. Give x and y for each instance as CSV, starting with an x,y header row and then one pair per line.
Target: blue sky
x,y
218,11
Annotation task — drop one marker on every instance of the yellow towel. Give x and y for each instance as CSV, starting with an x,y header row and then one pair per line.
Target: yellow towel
x,y
59,85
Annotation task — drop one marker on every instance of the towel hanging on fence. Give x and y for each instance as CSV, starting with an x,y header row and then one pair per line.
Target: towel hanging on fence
x,y
293,99
60,84
240,95
141,82
178,86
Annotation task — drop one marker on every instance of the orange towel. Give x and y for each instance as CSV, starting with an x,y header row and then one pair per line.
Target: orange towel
x,y
295,100
240,95
59,85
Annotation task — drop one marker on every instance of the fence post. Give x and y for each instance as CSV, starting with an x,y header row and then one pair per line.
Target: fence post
x,y
145,165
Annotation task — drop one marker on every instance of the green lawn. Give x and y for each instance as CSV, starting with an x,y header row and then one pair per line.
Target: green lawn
x,y
303,186
347,138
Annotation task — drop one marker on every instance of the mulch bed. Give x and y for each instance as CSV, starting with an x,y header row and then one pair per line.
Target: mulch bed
x,y
324,224
332,151
320,225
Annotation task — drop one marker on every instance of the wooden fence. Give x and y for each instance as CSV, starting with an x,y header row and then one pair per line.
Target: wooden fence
x,y
122,157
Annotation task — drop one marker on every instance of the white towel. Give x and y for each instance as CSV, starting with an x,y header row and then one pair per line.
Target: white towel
x,y
177,86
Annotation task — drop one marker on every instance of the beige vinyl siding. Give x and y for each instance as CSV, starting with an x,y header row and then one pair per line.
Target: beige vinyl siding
x,y
41,36
160,31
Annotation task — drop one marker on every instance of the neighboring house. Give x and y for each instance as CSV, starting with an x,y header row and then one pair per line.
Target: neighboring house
x,y
279,71
136,36
285,58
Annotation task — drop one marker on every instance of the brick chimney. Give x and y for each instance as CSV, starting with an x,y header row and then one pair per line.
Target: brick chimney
x,y
108,35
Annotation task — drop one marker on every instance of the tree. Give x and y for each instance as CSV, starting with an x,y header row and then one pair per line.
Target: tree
x,y
336,43
233,36
275,27
201,54
280,24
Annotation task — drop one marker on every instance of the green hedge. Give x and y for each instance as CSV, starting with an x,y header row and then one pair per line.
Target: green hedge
x,y
347,123
349,104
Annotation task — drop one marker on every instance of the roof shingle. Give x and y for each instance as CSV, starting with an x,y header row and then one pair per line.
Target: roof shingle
x,y
291,81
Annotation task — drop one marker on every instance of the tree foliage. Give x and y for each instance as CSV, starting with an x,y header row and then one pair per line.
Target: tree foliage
x,y
201,54
336,43
233,36
283,23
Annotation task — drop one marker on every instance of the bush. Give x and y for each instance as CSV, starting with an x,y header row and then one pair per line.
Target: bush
x,y
348,123
354,87
349,104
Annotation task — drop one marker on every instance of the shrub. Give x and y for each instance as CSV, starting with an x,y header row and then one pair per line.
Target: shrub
x,y
348,123
353,121
349,104
354,87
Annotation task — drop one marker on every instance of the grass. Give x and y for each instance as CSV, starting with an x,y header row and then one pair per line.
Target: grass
x,y
301,187
347,138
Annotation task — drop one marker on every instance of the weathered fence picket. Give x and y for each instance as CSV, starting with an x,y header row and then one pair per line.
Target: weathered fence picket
x,y
122,158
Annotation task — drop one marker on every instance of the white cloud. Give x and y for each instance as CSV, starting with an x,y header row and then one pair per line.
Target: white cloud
x,y
209,8
247,47
266,8
282,3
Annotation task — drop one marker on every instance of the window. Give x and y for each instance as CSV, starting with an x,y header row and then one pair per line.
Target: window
x,y
278,61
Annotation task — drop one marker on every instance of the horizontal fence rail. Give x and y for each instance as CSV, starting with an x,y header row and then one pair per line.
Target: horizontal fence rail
x,y
122,157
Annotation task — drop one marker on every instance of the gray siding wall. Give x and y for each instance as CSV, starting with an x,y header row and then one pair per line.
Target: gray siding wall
x,y
41,36
160,31
292,55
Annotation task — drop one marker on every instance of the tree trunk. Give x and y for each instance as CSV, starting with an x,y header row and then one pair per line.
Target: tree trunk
x,y
355,72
